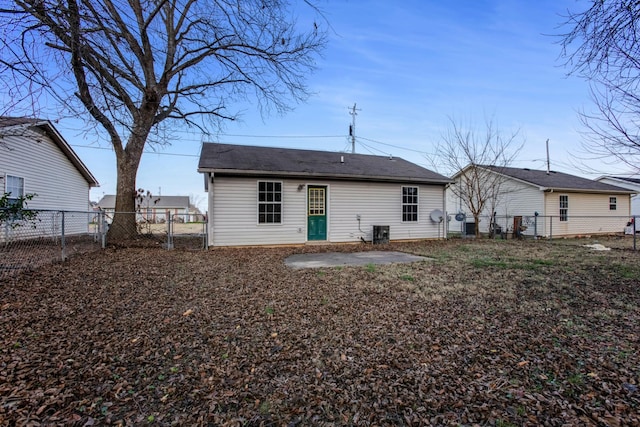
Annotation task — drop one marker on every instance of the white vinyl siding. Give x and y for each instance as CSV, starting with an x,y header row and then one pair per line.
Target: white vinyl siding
x,y
48,173
516,198
233,206
46,170
588,214
631,186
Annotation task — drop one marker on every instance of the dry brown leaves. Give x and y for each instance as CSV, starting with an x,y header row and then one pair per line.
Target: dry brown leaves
x,y
488,333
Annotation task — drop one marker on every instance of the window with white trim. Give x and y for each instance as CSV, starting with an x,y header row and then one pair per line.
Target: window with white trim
x,y
269,202
409,204
564,208
613,203
14,186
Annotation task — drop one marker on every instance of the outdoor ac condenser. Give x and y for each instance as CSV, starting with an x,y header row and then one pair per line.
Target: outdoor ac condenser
x,y
380,234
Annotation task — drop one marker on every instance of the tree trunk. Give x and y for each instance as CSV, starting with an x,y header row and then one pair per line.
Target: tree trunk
x,y
476,218
123,226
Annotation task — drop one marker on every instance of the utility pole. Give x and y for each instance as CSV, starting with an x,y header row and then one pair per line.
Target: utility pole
x,y
548,161
352,127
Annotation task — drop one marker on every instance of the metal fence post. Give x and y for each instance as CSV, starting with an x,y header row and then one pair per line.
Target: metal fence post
x,y
550,227
62,241
170,233
634,232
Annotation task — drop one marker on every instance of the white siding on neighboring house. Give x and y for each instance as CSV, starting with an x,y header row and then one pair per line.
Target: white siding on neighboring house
x,y
516,198
587,213
233,209
46,171
635,199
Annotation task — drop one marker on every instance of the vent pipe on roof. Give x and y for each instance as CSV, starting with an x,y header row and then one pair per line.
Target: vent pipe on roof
x,y
341,159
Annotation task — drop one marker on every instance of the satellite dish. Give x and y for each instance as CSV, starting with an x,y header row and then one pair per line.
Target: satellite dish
x,y
460,216
436,215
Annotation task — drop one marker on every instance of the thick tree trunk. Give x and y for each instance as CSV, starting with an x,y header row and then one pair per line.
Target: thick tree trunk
x,y
123,226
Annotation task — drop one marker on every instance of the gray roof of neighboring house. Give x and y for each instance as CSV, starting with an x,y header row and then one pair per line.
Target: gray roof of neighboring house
x,y
158,202
56,137
244,160
557,180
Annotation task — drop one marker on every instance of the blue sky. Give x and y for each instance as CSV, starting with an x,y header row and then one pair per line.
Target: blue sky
x,y
409,66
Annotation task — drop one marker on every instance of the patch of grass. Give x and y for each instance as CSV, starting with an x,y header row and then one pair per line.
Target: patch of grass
x,y
269,310
370,268
407,277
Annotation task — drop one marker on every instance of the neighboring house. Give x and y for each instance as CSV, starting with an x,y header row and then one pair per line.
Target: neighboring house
x,y
632,184
153,209
268,196
35,158
566,204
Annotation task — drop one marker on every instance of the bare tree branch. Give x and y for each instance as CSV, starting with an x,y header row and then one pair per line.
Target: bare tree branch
x,y
137,65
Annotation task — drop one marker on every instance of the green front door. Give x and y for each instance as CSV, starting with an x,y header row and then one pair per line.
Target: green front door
x,y
317,213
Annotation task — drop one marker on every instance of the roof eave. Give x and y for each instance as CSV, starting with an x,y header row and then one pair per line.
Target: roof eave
x,y
342,177
583,190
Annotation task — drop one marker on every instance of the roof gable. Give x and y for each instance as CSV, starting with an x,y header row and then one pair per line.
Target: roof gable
x,y
56,137
243,160
555,180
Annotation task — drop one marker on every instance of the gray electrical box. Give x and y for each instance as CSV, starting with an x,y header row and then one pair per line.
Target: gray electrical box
x,y
380,234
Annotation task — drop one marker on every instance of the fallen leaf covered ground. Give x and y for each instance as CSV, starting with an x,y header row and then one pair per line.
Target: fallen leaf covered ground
x,y
485,333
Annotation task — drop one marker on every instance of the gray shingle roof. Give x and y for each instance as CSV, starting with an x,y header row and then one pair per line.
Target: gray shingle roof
x,y
157,202
557,180
244,160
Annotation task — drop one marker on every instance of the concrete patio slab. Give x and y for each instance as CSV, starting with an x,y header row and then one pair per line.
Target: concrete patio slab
x,y
335,259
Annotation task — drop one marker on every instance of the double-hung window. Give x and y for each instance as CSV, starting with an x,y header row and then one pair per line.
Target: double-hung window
x,y
613,203
269,202
15,187
564,208
409,204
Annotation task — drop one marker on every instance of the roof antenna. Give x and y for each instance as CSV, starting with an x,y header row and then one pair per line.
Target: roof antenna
x,y
548,162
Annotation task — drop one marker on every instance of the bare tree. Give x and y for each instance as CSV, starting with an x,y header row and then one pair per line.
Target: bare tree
x,y
137,67
473,158
602,45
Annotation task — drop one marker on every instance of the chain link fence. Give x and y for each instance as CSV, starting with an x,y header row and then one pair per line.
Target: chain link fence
x,y
619,228
183,231
34,238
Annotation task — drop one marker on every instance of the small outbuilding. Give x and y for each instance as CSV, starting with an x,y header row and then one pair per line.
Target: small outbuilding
x,y
271,196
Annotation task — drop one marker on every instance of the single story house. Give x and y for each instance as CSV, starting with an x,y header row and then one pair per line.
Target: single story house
x,y
549,203
271,196
36,159
632,184
153,209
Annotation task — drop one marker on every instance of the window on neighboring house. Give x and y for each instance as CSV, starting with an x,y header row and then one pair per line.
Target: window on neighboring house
x,y
14,186
410,204
564,208
269,202
613,203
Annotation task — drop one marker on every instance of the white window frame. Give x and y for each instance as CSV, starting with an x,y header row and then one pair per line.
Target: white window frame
x,y
406,203
564,207
613,203
279,203
6,186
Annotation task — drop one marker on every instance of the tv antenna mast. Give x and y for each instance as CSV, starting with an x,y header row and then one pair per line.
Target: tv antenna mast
x,y
352,127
